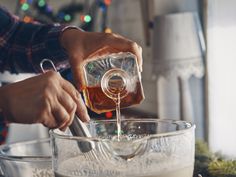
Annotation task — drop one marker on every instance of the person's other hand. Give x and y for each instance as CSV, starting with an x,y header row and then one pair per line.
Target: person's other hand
x,y
81,45
46,99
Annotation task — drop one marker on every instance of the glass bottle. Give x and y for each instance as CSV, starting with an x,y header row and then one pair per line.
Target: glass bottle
x,y
109,77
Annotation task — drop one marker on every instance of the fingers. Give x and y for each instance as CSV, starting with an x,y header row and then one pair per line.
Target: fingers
x,y
67,100
81,111
60,115
106,49
75,95
69,105
69,121
113,43
120,43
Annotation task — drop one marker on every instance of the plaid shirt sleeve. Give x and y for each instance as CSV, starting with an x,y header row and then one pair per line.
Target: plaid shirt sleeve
x,y
24,45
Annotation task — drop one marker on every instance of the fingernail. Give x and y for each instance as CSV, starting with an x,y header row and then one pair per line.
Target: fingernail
x,y
83,116
63,129
141,68
87,118
86,115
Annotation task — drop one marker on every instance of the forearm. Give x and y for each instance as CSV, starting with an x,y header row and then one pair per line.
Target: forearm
x,y
24,45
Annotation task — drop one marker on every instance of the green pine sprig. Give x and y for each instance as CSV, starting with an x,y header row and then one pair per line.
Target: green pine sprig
x,y
210,164
222,168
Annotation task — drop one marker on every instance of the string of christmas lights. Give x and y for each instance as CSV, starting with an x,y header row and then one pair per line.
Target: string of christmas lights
x,y
41,11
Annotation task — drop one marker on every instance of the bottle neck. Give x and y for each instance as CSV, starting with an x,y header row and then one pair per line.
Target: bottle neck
x,y
114,83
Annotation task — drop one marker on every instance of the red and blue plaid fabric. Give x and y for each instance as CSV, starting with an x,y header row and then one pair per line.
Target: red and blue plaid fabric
x,y
3,129
24,45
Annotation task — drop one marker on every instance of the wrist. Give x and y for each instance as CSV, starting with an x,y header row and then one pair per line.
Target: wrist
x,y
68,35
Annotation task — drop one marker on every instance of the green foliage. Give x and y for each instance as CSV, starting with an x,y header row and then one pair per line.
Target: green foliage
x,y
203,157
222,168
201,148
212,165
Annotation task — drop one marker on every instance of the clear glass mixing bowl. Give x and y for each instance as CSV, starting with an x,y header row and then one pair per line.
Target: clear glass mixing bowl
x,y
26,159
146,148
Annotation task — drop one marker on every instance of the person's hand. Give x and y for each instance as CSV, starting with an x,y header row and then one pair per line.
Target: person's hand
x,y
81,45
46,99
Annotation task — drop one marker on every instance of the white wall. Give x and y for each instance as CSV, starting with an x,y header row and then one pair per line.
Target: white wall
x,y
221,61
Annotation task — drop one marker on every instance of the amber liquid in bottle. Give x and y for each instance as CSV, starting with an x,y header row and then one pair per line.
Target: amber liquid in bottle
x,y
99,102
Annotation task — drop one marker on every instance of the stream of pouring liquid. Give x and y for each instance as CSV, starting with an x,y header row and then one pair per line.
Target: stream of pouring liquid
x,y
118,117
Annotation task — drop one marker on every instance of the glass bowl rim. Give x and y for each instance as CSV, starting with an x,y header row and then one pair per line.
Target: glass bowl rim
x,y
190,126
26,158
